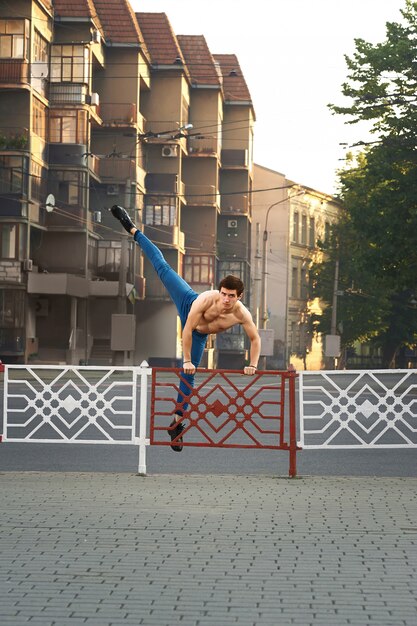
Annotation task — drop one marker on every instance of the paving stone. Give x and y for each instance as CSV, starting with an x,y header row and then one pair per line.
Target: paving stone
x,y
109,549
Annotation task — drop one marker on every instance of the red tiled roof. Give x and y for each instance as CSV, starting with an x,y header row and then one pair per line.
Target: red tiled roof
x,y
160,39
119,21
234,84
77,8
199,60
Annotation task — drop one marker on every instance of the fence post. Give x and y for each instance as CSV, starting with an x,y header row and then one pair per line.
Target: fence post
x,y
144,372
4,400
291,375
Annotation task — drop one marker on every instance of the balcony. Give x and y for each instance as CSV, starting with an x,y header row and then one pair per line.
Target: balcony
x,y
69,217
12,140
68,154
169,127
14,71
113,170
67,93
94,165
234,204
162,183
58,283
234,158
165,235
202,146
118,115
202,195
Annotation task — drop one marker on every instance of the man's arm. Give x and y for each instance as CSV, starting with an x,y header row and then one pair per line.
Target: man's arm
x,y
255,344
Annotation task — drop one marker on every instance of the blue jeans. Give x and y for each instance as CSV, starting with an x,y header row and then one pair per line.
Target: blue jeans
x,y
182,296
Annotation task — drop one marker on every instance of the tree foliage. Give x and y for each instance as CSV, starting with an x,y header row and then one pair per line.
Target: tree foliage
x,y
376,238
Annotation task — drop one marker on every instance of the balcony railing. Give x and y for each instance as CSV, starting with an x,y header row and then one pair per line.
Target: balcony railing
x,y
234,158
121,114
202,195
232,204
161,183
117,170
94,165
170,235
172,126
13,71
198,146
67,93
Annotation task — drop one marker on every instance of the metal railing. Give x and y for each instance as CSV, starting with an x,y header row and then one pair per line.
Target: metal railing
x,y
358,409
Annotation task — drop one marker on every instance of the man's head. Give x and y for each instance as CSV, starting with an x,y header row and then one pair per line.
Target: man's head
x,y
232,282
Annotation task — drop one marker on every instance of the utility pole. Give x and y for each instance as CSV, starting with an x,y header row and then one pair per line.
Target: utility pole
x,y
257,275
333,325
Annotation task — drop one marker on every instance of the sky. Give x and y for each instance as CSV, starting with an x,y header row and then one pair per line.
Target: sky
x,y
292,55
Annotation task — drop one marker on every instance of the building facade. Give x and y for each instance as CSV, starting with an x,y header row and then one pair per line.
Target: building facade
x,y
102,106
289,219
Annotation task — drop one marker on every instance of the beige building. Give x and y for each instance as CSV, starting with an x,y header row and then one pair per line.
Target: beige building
x,y
288,221
102,106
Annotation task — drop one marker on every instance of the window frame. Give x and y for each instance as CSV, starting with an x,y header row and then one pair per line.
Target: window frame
x,y
60,130
23,36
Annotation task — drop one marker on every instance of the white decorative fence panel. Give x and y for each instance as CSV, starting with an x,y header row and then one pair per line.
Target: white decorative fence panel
x,y
70,404
358,409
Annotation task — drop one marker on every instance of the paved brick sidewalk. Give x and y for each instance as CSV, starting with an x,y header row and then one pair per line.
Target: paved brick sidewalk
x,y
101,549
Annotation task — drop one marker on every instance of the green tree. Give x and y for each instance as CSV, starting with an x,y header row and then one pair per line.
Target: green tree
x,y
376,239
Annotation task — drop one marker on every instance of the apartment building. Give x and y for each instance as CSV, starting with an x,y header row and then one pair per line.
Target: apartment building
x,y
101,106
289,219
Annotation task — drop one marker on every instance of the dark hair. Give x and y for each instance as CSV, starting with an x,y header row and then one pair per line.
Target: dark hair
x,y
232,282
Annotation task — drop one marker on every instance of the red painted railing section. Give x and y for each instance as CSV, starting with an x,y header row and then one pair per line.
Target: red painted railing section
x,y
227,409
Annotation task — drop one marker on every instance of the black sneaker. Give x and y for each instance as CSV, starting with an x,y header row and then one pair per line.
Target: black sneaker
x,y
175,429
121,214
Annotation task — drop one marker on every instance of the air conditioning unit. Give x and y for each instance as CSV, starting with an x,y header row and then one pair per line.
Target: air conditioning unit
x,y
95,36
170,150
94,99
231,223
112,190
27,265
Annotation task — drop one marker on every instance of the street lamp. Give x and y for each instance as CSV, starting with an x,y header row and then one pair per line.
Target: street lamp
x,y
264,309
264,313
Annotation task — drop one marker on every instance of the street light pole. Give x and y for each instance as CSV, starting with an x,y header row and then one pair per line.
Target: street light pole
x,y
264,309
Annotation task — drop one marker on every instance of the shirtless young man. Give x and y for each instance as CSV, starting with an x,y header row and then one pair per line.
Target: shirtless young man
x,y
210,312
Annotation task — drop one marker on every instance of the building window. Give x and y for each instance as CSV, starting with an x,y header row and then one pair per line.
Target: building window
x,y
294,280
295,226
293,340
9,241
39,119
14,38
304,284
69,187
327,231
40,48
160,215
13,175
68,127
69,64
304,229
108,256
38,181
312,233
199,269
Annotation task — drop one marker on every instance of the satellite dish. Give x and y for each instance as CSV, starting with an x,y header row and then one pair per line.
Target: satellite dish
x,y
39,69
50,203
